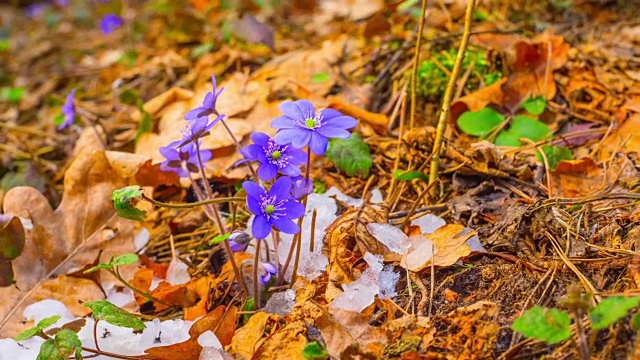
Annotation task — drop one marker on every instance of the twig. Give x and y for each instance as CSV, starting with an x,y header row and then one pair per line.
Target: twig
x,y
416,58
191,205
448,94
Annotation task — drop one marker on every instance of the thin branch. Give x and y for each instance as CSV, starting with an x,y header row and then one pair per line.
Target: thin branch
x,y
448,94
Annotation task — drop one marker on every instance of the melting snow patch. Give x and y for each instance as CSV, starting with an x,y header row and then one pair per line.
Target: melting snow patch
x,y
377,279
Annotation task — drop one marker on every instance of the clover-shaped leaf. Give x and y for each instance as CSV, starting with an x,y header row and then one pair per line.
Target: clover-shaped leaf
x,y
104,310
42,324
122,202
125,259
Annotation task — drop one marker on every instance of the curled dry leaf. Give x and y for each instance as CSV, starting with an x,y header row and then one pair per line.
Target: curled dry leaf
x,y
348,335
448,246
347,239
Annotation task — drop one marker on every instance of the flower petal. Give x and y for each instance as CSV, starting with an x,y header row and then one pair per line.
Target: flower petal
x,y
333,132
294,209
261,139
283,122
297,156
291,110
267,171
318,144
254,190
306,108
254,206
207,103
260,227
281,188
286,225
299,138
290,170
270,268
254,152
345,122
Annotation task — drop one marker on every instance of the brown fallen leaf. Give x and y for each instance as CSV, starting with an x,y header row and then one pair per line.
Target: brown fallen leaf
x,y
286,343
69,237
348,335
443,247
222,321
248,338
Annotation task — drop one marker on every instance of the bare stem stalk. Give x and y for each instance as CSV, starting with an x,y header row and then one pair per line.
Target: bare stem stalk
x,y
448,95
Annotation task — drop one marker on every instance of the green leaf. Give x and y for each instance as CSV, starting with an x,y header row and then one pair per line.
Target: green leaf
x,y
42,324
320,77
611,310
12,94
122,202
219,239
410,175
125,259
67,343
554,155
58,119
146,123
49,351
350,155
4,45
104,310
11,237
314,350
522,127
535,106
201,50
249,308
478,123
635,322
549,325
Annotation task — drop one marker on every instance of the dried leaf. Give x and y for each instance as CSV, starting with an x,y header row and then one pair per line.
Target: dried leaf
x,y
249,337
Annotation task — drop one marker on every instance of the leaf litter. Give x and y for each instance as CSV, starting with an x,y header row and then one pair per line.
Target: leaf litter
x,y
509,229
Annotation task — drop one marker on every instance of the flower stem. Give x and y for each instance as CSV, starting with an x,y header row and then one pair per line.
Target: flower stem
x,y
190,205
238,147
297,239
214,215
149,297
256,287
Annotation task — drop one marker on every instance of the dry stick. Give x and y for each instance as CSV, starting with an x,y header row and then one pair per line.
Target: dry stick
x,y
53,271
448,94
313,230
396,163
416,58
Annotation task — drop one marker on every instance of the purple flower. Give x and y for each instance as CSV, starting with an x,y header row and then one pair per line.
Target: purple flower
x,y
301,126
239,240
183,159
194,130
273,157
68,110
208,105
36,10
273,208
267,270
110,23
301,187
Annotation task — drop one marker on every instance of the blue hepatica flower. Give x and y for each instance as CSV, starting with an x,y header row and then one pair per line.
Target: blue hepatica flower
x,y
301,187
208,105
301,126
273,157
273,208
110,23
194,130
267,270
239,240
183,159
68,110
